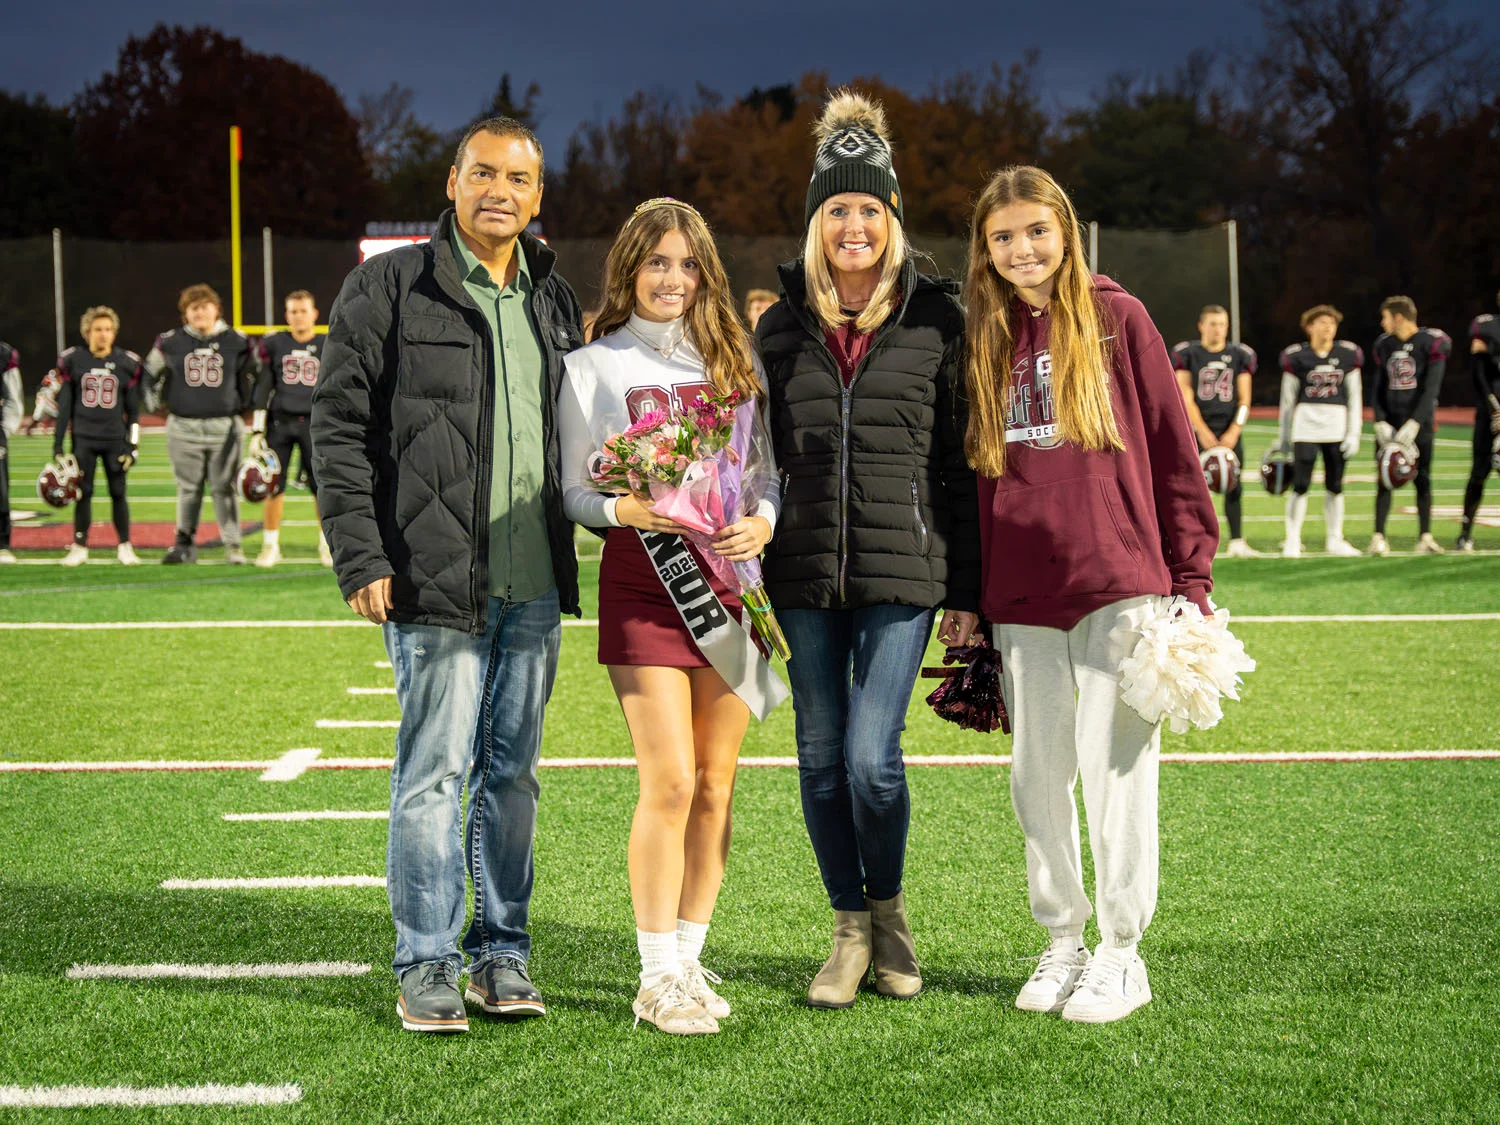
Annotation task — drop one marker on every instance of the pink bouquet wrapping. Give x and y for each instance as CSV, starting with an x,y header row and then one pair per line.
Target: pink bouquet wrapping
x,y
703,467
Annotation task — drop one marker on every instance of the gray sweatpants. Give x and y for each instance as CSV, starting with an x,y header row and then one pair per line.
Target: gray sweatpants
x,y
1062,689
206,451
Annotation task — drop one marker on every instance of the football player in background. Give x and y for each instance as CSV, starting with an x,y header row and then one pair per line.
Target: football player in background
x,y
1215,377
1410,362
10,421
283,401
1484,352
44,409
203,373
99,393
1320,413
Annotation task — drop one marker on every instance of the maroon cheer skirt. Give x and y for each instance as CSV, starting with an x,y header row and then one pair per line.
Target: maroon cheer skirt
x,y
638,624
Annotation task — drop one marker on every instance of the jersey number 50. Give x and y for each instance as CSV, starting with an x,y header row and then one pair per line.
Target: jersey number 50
x,y
301,369
203,369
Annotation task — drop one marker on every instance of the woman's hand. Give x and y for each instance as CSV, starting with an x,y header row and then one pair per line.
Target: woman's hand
x,y
744,539
958,628
633,511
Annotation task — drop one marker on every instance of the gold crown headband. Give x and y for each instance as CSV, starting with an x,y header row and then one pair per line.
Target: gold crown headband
x,y
663,201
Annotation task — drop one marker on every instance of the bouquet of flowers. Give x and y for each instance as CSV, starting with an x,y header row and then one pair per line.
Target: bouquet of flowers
x,y
702,467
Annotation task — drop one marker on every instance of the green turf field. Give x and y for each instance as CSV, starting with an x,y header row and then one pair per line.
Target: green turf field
x,y
1322,950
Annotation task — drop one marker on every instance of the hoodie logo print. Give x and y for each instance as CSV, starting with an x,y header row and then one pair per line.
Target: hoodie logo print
x,y
1030,410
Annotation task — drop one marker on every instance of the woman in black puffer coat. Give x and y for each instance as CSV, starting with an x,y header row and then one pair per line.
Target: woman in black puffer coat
x,y
878,528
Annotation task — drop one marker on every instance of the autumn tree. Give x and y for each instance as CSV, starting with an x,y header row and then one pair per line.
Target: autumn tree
x,y
40,189
156,129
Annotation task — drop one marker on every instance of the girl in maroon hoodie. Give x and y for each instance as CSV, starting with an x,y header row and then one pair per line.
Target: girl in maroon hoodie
x,y
1093,516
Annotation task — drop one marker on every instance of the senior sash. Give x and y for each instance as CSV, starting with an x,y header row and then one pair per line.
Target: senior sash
x,y
724,642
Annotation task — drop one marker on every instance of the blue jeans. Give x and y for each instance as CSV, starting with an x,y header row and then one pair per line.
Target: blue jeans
x,y
471,707
852,672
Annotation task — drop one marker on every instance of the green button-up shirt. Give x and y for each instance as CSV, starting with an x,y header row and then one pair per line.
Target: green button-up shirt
x,y
520,559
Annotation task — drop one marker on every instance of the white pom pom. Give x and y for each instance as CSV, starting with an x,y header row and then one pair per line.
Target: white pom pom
x,y
1182,666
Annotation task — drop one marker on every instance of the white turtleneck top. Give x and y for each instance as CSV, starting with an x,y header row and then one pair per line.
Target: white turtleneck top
x,y
612,382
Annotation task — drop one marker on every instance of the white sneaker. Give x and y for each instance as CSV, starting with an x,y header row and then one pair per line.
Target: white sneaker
x,y
1057,972
1465,546
325,554
697,978
1378,546
1112,986
668,1007
235,556
1239,549
269,555
1291,549
7,556
127,556
76,556
1341,549
1427,545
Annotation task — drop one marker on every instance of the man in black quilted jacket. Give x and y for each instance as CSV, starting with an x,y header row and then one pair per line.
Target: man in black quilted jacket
x,y
435,447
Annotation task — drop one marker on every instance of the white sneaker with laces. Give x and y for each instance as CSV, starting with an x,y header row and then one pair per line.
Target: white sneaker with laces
x,y
1112,986
325,554
1291,549
127,556
1465,546
668,1007
1239,549
269,555
1378,546
1427,545
1057,973
6,555
698,978
1341,549
76,556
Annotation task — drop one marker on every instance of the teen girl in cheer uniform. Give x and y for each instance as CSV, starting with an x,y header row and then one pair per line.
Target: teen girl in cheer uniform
x,y
668,335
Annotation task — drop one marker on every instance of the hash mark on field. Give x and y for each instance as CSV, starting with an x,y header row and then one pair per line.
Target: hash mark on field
x,y
291,765
371,690
270,971
356,724
325,814
382,663
68,1097
279,883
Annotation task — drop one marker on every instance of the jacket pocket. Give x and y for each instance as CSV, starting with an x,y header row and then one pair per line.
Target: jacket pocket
x,y
924,539
1062,539
437,359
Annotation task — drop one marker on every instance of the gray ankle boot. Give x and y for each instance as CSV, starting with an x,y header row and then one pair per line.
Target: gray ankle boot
x,y
838,981
896,972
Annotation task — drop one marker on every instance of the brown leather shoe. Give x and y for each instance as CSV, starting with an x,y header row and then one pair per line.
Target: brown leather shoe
x,y
847,967
896,971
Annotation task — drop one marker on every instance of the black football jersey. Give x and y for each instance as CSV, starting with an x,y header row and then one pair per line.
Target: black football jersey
x,y
1486,364
1214,376
1409,375
100,394
1323,379
291,373
207,378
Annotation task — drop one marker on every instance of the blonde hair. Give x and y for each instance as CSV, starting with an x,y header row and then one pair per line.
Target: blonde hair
x,y
712,323
98,312
823,297
1076,333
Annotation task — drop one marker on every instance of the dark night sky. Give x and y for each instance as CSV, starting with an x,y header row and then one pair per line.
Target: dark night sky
x,y
589,56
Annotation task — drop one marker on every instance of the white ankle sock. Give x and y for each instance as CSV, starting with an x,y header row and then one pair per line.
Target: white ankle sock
x,y
690,938
658,955
270,538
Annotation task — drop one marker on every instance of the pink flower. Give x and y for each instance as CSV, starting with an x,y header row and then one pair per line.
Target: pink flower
x,y
646,423
681,463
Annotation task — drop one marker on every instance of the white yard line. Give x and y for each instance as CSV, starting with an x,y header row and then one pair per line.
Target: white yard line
x,y
357,724
382,663
291,765
323,814
1188,758
284,883
137,1097
1360,618
270,971
371,690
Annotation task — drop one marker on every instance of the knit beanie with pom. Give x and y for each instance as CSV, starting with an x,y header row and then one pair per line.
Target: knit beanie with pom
x,y
854,154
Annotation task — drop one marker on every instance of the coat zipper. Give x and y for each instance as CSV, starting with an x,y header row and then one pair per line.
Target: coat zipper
x,y
916,508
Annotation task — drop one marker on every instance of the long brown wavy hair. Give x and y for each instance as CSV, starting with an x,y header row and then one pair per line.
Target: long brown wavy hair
x,y
711,321
1076,333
